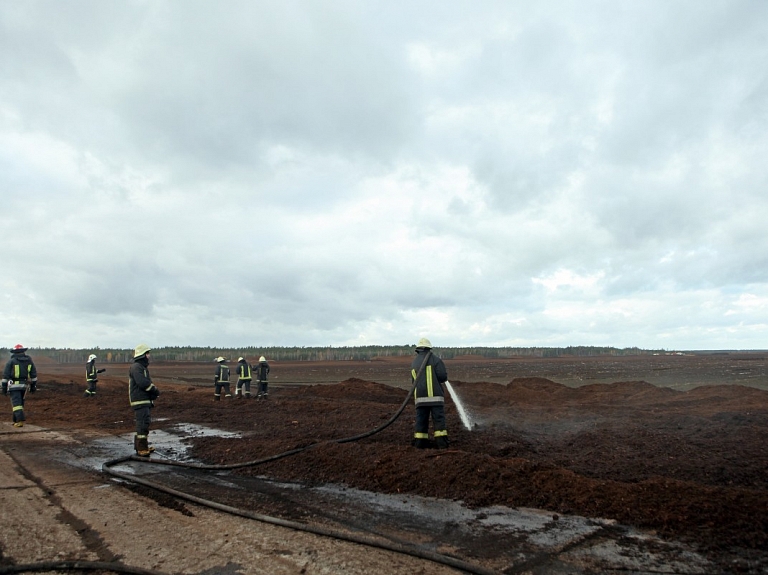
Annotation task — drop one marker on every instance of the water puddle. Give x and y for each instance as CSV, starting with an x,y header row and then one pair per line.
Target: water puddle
x,y
170,443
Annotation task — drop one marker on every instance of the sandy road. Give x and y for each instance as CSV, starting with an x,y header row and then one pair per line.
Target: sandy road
x,y
60,512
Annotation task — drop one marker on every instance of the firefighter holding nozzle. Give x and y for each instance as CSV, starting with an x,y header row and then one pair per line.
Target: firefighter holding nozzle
x,y
428,372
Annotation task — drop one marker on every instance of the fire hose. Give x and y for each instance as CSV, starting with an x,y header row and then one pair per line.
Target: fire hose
x,y
396,547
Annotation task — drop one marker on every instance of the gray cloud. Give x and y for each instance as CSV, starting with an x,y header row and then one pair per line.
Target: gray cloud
x,y
284,173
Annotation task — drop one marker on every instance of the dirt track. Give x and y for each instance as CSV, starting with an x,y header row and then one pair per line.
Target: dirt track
x,y
688,466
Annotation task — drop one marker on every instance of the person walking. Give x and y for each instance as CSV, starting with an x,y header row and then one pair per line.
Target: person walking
x,y
428,373
19,376
221,379
244,378
142,393
91,376
262,371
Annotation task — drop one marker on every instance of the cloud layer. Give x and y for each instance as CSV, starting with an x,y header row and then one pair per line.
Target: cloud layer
x,y
291,173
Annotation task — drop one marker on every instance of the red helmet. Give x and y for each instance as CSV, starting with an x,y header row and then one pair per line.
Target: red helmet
x,y
18,348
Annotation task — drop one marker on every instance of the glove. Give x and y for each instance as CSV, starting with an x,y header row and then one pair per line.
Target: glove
x,y
5,388
102,370
154,393
32,388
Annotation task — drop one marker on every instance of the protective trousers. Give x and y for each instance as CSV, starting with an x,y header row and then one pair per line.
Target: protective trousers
x,y
243,385
17,403
263,392
217,390
143,419
421,434
91,391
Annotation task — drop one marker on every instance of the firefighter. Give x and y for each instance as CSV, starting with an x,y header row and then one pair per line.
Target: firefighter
x,y
428,372
262,369
221,379
92,376
142,393
243,378
19,376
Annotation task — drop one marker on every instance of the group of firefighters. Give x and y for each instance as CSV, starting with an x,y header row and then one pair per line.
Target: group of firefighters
x,y
428,373
244,379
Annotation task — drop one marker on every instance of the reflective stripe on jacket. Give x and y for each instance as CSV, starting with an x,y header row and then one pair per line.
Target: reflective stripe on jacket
x,y
90,371
428,390
19,371
140,387
244,371
222,373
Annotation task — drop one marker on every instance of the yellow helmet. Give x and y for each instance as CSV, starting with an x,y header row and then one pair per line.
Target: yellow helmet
x,y
140,350
220,359
262,358
424,343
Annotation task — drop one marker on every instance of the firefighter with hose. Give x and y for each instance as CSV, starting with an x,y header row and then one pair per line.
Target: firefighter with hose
x,y
19,376
92,376
142,393
428,373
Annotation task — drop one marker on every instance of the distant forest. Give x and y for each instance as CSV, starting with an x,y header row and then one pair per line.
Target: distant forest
x,y
368,352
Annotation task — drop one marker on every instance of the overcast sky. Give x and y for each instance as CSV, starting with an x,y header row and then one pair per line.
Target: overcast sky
x,y
351,173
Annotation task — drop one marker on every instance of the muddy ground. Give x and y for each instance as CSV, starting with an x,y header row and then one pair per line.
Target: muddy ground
x,y
676,446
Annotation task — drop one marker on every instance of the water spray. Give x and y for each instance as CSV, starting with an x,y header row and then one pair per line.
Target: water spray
x,y
459,407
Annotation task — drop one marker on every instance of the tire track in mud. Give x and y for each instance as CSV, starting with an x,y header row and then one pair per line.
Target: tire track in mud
x,y
90,537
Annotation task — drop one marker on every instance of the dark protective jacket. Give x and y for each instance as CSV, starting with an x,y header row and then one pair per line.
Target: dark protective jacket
x,y
222,373
90,371
428,391
262,370
141,390
18,372
244,371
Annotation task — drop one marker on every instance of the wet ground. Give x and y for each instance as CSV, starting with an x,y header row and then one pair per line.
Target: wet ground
x,y
665,470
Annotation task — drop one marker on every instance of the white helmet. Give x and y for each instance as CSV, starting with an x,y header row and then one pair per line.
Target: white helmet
x,y
140,350
424,343
220,359
262,358
239,359
91,357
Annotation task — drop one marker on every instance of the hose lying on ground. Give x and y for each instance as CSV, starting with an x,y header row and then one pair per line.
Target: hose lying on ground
x,y
76,566
326,532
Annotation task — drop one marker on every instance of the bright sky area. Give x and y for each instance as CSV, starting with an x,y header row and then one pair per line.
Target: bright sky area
x,y
358,173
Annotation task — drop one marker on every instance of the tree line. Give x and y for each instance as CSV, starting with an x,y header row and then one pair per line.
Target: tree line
x,y
343,353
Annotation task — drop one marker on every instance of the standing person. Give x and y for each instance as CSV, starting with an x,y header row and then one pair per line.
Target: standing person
x,y
243,378
428,372
142,393
19,375
221,379
92,376
262,370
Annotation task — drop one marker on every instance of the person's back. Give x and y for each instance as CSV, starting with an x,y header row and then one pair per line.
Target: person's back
x,y
19,375
428,372
262,372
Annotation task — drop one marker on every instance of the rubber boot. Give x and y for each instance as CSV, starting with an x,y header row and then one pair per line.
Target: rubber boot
x,y
142,447
441,442
216,398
